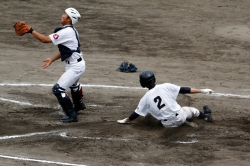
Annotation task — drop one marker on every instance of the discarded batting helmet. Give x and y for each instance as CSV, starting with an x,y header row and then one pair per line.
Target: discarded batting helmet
x,y
147,78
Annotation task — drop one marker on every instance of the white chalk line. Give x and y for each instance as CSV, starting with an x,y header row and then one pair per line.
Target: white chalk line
x,y
65,135
231,95
62,134
25,135
120,87
187,142
22,103
194,140
83,85
44,106
98,105
40,161
14,101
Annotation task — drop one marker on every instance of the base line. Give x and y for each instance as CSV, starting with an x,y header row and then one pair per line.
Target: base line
x,y
84,85
63,134
231,95
120,87
40,161
45,106
26,135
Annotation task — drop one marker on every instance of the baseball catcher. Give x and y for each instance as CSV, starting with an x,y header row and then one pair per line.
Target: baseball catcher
x,y
66,37
160,102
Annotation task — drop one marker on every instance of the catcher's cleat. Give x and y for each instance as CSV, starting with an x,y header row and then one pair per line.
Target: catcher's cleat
x,y
208,113
67,119
79,107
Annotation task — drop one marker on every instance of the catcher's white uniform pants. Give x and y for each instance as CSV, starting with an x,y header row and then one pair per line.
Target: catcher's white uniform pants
x,y
184,114
72,74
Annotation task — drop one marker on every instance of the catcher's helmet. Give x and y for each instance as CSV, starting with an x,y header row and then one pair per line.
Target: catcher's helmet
x,y
147,78
73,14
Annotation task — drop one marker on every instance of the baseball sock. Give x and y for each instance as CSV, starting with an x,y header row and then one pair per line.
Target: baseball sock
x,y
202,115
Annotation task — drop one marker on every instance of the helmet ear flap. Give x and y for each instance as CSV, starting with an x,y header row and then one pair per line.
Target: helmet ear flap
x,y
142,85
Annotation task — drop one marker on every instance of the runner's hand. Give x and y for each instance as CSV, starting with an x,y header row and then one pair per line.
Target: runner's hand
x,y
207,91
123,121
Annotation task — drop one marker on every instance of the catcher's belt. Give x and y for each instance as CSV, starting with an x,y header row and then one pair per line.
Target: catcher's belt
x,y
78,60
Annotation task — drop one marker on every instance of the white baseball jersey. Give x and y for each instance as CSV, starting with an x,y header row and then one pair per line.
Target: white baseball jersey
x,y
68,38
160,102
74,69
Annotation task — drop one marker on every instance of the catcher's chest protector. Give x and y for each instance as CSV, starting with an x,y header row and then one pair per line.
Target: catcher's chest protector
x,y
65,51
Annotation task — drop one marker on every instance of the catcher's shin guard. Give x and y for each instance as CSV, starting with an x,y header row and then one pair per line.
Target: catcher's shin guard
x,y
77,98
64,101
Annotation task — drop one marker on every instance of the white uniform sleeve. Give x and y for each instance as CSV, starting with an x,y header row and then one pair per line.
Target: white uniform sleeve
x,y
142,108
174,89
61,36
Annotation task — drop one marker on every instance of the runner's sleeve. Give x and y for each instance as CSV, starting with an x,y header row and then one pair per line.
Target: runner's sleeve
x,y
184,90
133,116
142,108
172,89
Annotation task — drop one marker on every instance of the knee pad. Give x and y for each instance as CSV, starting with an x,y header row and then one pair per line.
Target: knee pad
x,y
57,90
75,87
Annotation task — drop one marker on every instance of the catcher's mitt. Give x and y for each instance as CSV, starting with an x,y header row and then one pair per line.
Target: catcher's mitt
x,y
21,28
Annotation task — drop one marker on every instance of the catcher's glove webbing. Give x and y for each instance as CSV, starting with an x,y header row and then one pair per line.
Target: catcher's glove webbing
x,y
21,28
127,67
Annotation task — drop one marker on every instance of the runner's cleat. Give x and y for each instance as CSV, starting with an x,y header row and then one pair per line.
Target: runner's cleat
x,y
209,117
206,109
208,113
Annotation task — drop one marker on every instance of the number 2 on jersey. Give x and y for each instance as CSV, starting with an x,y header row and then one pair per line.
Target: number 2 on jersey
x,y
159,105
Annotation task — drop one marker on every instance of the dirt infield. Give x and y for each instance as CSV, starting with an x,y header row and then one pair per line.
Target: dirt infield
x,y
202,44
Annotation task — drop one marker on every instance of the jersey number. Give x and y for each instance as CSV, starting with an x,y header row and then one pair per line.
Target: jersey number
x,y
159,105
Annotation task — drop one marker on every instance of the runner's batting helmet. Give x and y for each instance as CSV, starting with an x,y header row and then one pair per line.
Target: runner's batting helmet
x,y
147,78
